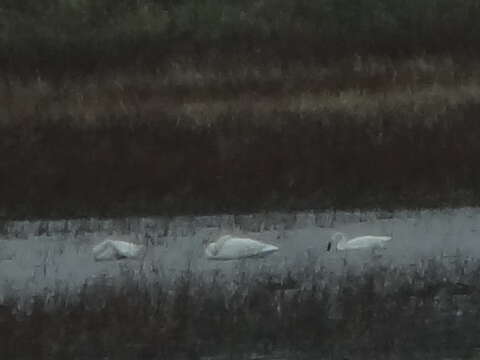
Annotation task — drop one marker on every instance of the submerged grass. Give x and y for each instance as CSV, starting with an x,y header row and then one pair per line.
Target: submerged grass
x,y
426,310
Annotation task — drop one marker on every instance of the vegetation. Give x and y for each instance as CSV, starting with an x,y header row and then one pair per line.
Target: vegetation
x,y
197,106
406,136
429,310
121,107
79,36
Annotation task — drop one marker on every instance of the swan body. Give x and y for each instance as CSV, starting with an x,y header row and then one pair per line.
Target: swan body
x,y
361,242
233,248
116,250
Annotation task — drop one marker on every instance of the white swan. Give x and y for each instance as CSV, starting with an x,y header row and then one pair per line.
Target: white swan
x,y
116,250
233,248
361,242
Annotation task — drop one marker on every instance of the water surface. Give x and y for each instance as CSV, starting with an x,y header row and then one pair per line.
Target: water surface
x,y
39,254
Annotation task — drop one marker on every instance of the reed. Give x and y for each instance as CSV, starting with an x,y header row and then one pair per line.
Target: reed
x,y
426,309
242,162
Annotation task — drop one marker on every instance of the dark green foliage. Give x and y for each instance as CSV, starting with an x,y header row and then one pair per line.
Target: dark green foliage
x,y
84,35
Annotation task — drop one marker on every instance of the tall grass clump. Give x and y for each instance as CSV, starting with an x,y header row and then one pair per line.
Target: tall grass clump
x,y
427,310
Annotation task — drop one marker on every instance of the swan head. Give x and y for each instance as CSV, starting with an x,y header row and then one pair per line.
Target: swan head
x,y
212,249
337,237
209,238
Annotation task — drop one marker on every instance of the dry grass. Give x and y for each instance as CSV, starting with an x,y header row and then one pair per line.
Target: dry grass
x,y
364,133
360,87
85,110
426,310
432,101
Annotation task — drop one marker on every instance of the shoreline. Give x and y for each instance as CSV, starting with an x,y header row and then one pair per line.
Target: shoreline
x,y
256,221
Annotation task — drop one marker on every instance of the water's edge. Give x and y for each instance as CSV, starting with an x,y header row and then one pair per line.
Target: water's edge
x,y
186,225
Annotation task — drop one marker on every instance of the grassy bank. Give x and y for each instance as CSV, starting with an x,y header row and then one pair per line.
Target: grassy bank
x,y
242,164
363,134
429,310
200,106
84,36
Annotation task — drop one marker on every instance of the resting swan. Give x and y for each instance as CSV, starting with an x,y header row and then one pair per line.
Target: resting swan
x,y
361,242
116,250
233,248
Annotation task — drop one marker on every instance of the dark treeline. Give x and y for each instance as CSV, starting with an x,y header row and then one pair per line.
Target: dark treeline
x,y
241,162
71,36
428,311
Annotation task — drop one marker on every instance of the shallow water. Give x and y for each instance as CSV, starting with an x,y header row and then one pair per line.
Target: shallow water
x,y
39,254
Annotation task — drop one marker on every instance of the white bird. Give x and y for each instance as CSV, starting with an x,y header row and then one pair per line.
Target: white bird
x,y
361,242
233,248
116,250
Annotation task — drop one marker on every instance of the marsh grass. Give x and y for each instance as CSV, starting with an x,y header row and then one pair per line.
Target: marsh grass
x,y
73,36
427,309
244,161
365,133
204,91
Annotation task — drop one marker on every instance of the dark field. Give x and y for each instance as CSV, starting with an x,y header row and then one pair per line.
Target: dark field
x,y
88,36
240,164
136,107
428,310
376,134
